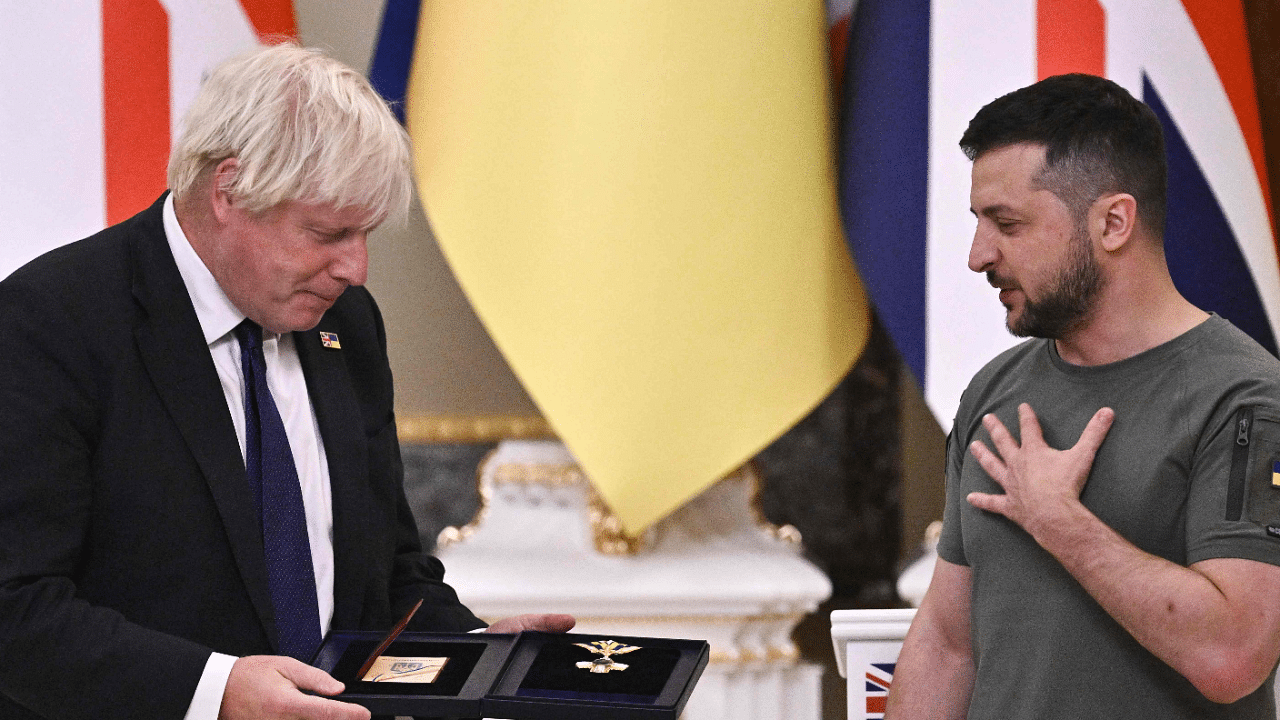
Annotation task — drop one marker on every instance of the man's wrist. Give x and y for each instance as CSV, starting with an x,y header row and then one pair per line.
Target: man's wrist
x,y
1066,528
206,703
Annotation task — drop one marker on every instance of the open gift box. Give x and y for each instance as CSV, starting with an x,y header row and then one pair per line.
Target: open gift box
x,y
534,675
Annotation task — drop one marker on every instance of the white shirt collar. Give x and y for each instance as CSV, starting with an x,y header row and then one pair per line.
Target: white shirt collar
x,y
217,315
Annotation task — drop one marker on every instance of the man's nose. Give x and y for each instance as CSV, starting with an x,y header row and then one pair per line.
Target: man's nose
x,y
982,253
351,262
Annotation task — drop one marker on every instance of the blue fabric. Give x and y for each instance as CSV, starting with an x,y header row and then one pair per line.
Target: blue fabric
x,y
1204,255
393,56
278,497
884,163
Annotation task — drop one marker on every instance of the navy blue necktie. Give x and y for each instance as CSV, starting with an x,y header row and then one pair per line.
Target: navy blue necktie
x,y
278,495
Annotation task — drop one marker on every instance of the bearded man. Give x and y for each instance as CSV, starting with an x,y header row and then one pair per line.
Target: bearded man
x,y
1112,528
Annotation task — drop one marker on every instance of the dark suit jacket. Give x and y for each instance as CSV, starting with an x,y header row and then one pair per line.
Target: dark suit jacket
x,y
129,545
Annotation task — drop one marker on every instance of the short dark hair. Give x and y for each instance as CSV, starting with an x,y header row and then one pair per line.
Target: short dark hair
x,y
1098,139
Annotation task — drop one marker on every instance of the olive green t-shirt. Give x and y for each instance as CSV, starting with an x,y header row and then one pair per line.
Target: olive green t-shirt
x,y
1185,473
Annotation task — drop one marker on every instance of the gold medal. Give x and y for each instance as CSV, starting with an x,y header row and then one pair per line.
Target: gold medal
x,y
606,649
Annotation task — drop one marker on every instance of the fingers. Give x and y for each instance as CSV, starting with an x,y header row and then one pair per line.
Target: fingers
x,y
1032,435
267,687
555,623
1000,437
543,623
1003,442
321,709
306,677
506,625
988,502
1095,432
988,460
1029,426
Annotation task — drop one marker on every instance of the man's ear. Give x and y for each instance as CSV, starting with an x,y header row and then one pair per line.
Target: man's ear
x,y
220,183
1117,216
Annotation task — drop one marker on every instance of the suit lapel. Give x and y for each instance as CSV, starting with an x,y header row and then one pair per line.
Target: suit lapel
x,y
342,430
173,350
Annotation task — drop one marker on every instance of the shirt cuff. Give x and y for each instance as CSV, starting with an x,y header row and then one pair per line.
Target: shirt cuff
x,y
207,702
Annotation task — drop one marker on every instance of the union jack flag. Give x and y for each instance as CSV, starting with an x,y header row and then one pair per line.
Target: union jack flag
x,y
93,93
918,70
879,679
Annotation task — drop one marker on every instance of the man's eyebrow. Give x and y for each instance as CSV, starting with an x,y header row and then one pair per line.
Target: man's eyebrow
x,y
327,229
991,210
324,229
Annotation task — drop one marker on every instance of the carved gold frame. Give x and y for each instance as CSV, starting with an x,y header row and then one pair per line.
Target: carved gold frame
x,y
606,529
481,428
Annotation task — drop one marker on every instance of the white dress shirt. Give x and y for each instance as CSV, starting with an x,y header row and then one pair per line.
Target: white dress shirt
x,y
218,318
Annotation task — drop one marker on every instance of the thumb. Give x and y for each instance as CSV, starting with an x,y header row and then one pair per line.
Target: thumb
x,y
306,677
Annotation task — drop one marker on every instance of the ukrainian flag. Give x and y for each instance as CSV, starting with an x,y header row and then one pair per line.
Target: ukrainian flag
x,y
638,198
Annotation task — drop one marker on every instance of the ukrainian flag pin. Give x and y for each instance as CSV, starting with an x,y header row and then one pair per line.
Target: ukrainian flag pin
x,y
1275,473
330,340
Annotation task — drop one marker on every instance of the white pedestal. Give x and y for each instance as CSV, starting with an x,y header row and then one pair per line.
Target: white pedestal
x,y
867,643
713,570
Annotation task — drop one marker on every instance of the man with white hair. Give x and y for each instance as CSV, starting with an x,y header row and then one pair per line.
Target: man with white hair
x,y
198,453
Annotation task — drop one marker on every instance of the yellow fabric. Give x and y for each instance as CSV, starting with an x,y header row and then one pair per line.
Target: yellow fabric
x,y
638,197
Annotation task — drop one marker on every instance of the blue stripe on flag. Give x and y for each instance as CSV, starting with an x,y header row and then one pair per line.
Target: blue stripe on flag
x,y
389,69
1203,254
885,163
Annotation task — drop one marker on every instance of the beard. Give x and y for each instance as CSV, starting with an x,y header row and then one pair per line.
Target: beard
x,y
1068,298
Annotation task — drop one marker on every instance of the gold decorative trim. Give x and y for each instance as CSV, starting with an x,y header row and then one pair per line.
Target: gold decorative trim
x,y
786,533
792,618
772,655
606,529
790,653
720,657
549,476
424,428
451,534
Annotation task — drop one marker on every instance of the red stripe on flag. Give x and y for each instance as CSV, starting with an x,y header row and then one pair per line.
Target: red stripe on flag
x,y
1071,37
135,90
838,40
879,681
875,704
271,18
1222,29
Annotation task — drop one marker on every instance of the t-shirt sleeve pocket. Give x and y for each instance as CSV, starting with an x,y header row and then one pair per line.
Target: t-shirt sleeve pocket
x,y
1254,490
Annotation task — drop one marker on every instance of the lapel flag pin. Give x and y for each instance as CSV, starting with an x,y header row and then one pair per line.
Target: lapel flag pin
x,y
1275,473
330,340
